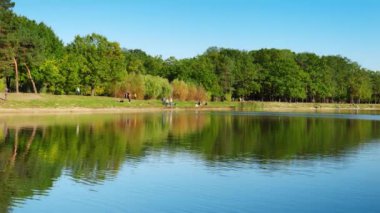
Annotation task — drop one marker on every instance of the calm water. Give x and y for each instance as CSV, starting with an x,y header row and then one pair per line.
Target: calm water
x,y
190,162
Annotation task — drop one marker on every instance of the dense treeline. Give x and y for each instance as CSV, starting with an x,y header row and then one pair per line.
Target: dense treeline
x,y
34,59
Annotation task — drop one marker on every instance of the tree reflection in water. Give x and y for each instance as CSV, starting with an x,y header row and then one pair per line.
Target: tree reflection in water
x,y
92,148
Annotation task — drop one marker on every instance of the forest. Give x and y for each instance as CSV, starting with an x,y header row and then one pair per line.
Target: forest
x,y
34,59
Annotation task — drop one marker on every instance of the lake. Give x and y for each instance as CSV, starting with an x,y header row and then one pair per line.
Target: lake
x,y
190,162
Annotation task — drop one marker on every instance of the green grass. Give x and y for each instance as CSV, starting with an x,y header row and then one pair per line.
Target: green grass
x,y
284,106
22,100
69,101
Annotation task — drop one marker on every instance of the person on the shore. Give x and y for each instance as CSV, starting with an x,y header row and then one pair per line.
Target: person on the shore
x,y
171,101
164,101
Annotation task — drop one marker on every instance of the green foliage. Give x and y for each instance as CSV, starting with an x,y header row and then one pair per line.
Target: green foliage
x,y
247,77
152,87
28,45
96,65
103,61
143,86
2,84
6,17
6,5
70,66
166,88
282,77
51,77
132,83
375,81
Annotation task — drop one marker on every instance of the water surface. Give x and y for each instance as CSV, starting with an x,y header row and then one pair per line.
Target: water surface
x,y
190,162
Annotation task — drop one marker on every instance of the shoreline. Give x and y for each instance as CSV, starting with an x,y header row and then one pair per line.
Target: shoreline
x,y
107,110
25,103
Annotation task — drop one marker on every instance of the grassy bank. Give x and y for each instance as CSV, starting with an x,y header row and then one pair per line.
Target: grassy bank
x,y
304,107
44,101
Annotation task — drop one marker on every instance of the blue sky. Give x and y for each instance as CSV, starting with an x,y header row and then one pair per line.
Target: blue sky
x,y
185,28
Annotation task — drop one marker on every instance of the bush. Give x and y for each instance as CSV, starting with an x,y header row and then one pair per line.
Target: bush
x,y
133,83
202,94
188,91
180,90
166,88
144,86
152,87
192,92
156,87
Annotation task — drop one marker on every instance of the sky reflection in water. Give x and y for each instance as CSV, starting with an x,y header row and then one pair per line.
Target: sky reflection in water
x,y
188,161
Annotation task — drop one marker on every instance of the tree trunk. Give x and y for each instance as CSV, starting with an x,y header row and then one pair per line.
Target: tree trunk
x,y
8,82
5,131
15,147
92,91
16,73
31,79
31,139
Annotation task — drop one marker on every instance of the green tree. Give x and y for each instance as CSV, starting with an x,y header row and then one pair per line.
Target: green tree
x,y
29,49
246,77
103,61
138,61
319,82
53,80
375,80
359,85
281,78
7,41
27,44
6,4
339,67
